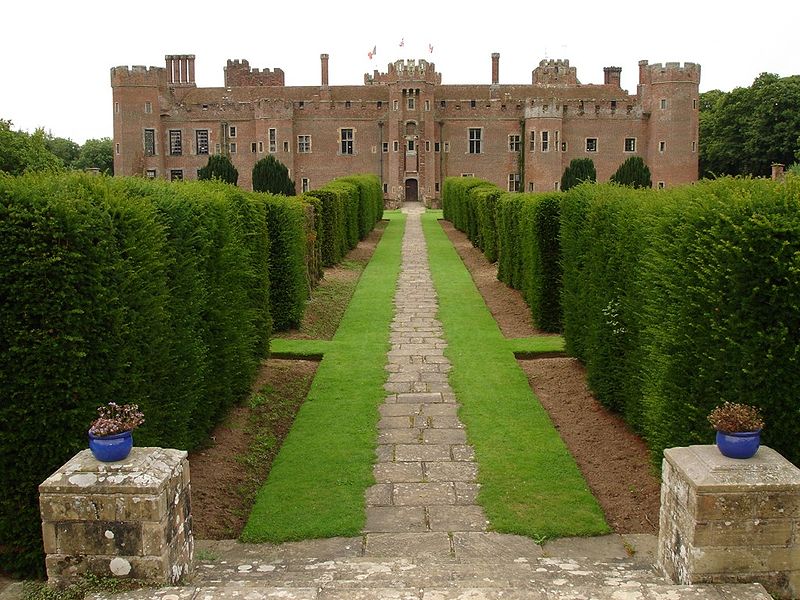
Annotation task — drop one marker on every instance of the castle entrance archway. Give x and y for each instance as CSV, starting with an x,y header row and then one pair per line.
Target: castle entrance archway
x,y
412,190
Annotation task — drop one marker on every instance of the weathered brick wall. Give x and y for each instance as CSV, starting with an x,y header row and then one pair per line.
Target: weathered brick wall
x,y
257,100
130,518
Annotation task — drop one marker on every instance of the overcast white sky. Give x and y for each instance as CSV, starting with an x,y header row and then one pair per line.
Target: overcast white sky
x,y
55,56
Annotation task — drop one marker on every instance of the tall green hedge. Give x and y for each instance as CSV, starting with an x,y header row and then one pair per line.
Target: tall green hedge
x,y
722,311
370,207
350,206
675,300
125,290
289,284
679,300
520,232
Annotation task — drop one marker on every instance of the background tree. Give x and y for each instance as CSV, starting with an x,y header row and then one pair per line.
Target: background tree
x,y
633,173
271,175
97,154
219,167
21,152
578,171
744,131
64,148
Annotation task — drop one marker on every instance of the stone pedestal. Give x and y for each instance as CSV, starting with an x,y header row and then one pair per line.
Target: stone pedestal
x,y
128,519
726,520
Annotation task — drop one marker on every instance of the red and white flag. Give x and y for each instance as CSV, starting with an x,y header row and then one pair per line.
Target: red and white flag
x,y
402,42
430,48
373,52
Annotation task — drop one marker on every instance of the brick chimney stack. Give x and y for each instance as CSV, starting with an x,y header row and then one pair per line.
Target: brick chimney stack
x,y
612,76
324,59
495,68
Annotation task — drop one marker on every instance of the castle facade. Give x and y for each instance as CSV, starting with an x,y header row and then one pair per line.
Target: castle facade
x,y
405,126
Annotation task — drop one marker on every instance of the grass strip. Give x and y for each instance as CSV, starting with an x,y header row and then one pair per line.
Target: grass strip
x,y
540,344
317,482
530,484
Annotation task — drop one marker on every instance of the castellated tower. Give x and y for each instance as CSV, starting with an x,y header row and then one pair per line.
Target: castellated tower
x,y
408,169
670,96
140,96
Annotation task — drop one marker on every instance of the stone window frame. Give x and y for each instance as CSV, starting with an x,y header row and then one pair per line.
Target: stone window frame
x,y
395,146
232,131
232,147
514,142
272,139
411,103
474,140
175,137
544,141
198,145
385,147
592,145
347,137
532,141
663,103
468,174
304,144
626,147
148,107
305,185
150,173
149,141
176,174
662,146
513,182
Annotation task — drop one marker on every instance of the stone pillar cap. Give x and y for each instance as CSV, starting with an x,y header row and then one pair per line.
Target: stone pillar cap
x,y
145,471
705,467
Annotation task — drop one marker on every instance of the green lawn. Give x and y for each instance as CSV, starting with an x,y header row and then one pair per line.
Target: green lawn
x,y
530,482
317,482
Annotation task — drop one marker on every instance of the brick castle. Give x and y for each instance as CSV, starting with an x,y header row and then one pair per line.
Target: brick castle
x,y
405,126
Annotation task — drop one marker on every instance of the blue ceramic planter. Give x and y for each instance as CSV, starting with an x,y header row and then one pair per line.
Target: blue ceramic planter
x,y
111,448
743,444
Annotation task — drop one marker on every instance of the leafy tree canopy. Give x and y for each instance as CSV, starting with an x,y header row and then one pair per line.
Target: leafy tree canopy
x,y
96,154
744,131
21,152
271,175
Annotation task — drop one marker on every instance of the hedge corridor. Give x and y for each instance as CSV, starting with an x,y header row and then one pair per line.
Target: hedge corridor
x,y
674,300
147,292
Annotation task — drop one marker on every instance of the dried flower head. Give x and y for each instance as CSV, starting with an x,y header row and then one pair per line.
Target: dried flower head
x,y
113,419
732,417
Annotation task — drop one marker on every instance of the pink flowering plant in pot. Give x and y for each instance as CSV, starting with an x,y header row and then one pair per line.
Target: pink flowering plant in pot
x,y
738,429
110,435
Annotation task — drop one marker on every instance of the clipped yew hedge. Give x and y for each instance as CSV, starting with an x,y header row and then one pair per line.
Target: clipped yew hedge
x,y
370,202
349,210
682,299
675,300
288,277
520,232
125,290
529,252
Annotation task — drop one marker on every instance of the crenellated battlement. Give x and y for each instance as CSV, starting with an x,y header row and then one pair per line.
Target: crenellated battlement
x,y
405,70
138,75
668,73
238,73
555,72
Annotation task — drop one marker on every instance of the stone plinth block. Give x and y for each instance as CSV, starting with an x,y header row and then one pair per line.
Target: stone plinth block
x,y
726,520
130,518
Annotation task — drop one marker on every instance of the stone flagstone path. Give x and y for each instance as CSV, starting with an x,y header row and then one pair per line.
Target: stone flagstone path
x,y
426,472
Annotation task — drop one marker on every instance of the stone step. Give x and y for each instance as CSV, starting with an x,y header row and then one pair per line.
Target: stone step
x,y
433,566
635,591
